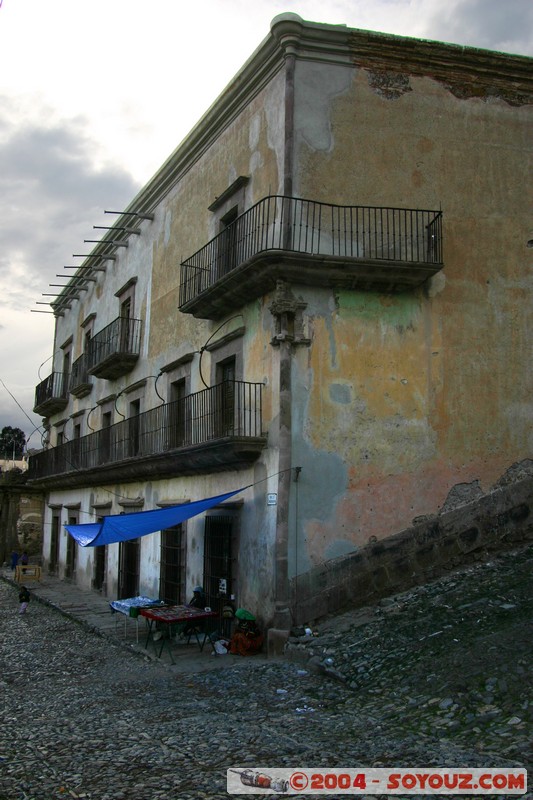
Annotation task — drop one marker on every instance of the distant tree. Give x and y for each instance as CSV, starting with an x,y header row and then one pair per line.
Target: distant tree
x,y
12,441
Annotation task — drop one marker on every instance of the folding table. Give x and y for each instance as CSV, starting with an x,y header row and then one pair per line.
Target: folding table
x,y
130,607
174,615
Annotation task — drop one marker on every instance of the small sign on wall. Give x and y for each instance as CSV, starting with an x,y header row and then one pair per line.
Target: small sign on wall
x,y
272,499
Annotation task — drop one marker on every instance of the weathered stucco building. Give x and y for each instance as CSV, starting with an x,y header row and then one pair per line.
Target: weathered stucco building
x,y
325,292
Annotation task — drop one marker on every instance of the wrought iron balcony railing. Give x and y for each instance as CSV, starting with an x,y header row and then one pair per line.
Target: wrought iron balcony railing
x,y
51,395
113,351
228,411
335,236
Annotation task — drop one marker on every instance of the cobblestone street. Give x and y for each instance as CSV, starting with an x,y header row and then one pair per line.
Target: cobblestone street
x,y
438,676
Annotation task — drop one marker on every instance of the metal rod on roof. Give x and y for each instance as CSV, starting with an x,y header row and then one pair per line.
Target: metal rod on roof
x,y
76,287
70,297
84,266
131,214
38,311
116,228
93,255
74,277
101,241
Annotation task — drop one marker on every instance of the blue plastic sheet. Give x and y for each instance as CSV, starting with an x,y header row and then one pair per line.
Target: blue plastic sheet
x,y
121,527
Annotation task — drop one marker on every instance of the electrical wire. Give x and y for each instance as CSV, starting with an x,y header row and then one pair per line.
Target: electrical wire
x,y
35,427
207,343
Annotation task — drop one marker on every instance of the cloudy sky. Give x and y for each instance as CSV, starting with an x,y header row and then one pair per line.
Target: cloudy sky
x,y
94,96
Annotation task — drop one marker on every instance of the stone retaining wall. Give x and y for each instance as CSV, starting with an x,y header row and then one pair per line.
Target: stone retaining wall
x,y
430,548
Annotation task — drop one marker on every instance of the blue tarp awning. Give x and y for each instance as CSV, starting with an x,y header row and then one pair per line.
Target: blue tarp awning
x,y
121,527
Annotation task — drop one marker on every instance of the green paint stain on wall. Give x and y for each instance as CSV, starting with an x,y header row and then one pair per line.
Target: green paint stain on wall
x,y
398,310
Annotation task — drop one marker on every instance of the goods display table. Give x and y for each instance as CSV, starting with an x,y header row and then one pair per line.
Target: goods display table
x,y
131,607
168,616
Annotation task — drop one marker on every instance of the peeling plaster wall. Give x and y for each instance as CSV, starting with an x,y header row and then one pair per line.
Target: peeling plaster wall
x,y
251,145
399,398
393,400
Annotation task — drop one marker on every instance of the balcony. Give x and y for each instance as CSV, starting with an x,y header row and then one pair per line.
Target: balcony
x,y
219,428
51,395
114,351
353,247
80,383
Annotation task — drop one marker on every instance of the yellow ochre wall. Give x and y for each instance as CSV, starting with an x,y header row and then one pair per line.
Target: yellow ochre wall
x,y
401,397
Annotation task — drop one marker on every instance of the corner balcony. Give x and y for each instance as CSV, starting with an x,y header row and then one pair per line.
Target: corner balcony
x,y
114,351
51,395
318,244
217,429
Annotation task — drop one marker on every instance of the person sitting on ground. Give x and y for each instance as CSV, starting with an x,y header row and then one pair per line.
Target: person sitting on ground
x,y
247,639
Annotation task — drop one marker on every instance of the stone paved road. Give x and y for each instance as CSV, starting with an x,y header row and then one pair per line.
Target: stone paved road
x,y
440,676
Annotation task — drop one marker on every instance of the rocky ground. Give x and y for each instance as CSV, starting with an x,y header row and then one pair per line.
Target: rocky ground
x,y
438,676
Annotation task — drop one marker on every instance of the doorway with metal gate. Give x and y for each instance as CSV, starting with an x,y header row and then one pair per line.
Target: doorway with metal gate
x,y
129,565
172,565
220,559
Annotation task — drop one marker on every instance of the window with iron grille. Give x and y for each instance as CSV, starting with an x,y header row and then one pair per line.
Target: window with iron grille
x,y
172,572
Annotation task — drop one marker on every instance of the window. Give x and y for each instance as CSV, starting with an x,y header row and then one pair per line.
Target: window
x,y
226,208
226,397
75,446
228,243
53,562
65,368
128,571
126,298
100,553
129,558
72,551
179,420
134,427
172,572
178,383
99,566
87,327
105,437
220,553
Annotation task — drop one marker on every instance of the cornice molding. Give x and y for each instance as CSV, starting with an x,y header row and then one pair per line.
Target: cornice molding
x,y
480,73
466,71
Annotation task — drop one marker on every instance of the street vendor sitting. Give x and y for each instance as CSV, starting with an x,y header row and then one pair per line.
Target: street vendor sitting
x,y
247,639
198,600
